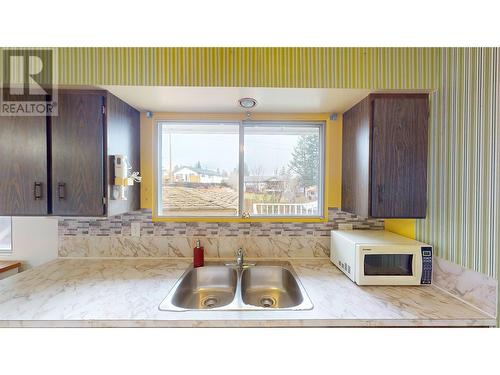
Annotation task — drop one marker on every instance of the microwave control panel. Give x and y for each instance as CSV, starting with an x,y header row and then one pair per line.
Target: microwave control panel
x,y
426,265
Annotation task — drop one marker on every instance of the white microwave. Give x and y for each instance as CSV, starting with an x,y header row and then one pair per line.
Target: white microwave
x,y
378,257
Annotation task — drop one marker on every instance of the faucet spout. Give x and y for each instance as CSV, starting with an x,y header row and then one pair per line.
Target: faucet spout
x,y
239,257
240,260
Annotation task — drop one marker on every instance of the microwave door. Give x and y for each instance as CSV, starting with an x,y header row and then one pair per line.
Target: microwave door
x,y
384,266
388,265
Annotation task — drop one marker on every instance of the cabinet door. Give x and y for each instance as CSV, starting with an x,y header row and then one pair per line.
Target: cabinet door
x,y
399,156
123,136
356,159
23,166
78,155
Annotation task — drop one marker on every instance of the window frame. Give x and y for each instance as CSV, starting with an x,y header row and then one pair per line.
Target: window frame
x,y
321,124
9,250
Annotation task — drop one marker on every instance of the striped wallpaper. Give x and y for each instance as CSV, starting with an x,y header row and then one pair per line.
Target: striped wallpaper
x,y
262,67
464,181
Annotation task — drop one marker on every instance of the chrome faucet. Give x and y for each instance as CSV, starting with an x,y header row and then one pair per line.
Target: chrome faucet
x,y
239,257
240,260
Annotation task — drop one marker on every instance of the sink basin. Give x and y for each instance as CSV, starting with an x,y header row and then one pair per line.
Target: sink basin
x,y
270,286
206,288
263,286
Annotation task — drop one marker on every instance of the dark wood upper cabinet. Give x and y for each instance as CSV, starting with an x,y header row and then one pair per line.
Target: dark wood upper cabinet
x,y
384,156
23,166
356,159
63,165
78,154
123,135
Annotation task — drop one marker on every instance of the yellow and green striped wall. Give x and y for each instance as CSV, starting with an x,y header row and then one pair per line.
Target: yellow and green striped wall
x,y
463,221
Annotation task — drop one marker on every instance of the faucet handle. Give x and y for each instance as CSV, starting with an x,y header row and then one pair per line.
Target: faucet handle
x,y
239,252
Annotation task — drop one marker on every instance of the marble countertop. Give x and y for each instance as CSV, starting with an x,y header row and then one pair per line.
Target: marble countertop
x,y
127,293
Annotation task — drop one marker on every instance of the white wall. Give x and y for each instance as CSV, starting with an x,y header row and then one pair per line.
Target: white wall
x,y
34,240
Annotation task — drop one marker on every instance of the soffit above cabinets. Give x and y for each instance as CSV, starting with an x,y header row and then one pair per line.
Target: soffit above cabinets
x,y
225,99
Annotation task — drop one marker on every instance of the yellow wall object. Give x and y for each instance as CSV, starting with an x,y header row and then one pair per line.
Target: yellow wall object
x,y
404,227
333,157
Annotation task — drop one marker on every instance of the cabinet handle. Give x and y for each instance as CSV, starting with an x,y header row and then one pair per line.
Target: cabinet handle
x,y
38,191
61,190
380,193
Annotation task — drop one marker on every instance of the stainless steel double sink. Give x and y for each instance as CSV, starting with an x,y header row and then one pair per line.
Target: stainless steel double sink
x,y
263,286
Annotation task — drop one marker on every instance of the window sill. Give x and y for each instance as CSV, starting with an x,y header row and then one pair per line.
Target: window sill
x,y
276,219
9,265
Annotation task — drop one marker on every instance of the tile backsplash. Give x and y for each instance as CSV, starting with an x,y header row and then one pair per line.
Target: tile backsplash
x,y
120,226
111,237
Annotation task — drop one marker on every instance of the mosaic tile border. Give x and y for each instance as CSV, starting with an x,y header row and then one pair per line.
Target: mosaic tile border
x,y
120,226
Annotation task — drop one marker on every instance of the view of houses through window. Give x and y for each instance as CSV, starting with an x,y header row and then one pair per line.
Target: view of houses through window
x,y
199,169
282,170
204,166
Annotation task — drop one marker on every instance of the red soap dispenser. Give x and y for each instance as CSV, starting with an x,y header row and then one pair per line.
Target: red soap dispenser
x,y
198,256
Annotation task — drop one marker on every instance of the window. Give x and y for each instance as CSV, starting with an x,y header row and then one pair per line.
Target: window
x,y
199,169
5,235
233,169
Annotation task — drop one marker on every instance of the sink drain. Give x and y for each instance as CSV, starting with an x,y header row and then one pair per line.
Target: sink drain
x,y
267,301
209,301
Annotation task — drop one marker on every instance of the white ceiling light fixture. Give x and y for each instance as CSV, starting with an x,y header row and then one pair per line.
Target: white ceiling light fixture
x,y
247,103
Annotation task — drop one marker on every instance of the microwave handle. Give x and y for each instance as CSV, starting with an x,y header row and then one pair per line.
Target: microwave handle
x,y
418,265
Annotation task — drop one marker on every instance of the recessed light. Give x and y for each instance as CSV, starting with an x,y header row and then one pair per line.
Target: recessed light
x,y
247,103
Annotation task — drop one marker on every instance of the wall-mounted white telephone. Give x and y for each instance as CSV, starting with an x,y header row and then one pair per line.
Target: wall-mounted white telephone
x,y
123,177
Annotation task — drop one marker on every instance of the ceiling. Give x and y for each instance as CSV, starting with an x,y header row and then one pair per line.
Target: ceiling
x,y
225,99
